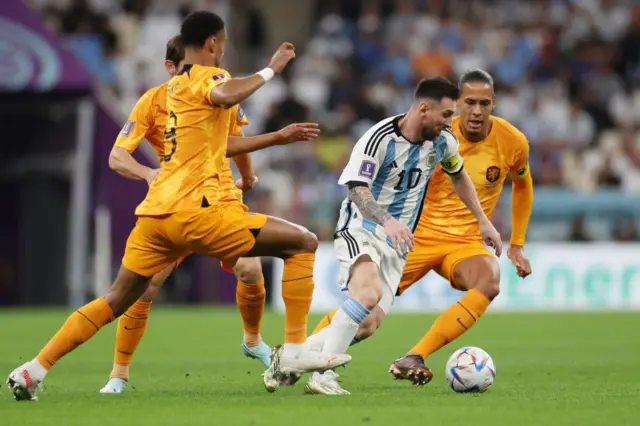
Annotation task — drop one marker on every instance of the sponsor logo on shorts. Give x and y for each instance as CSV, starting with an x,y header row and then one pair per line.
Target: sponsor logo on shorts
x,y
219,77
127,128
367,169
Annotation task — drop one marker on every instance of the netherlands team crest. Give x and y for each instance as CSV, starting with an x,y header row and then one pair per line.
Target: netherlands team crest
x,y
493,174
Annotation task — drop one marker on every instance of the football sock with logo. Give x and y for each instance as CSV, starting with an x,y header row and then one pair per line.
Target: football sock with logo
x,y
452,323
131,328
297,291
344,326
251,300
79,327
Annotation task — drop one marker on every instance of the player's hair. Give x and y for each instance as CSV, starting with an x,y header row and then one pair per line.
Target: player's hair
x,y
436,88
198,26
475,76
175,50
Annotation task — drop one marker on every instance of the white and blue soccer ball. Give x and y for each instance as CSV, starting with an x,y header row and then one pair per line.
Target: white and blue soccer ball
x,y
470,370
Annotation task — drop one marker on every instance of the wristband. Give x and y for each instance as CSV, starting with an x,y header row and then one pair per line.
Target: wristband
x,y
266,73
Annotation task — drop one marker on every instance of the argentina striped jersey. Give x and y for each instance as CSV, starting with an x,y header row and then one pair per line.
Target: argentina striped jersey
x,y
396,171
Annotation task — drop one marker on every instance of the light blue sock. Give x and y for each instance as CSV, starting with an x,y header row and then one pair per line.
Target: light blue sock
x,y
355,310
344,326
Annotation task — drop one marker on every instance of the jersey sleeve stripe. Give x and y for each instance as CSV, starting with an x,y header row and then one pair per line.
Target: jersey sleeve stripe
x,y
374,141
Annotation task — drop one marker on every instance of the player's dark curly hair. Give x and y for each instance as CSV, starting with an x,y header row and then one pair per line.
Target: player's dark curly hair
x,y
175,50
475,76
436,88
198,26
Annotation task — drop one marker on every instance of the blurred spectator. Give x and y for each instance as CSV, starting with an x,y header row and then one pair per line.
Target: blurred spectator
x,y
626,231
578,233
567,74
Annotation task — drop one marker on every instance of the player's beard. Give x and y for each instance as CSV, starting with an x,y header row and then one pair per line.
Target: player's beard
x,y
429,134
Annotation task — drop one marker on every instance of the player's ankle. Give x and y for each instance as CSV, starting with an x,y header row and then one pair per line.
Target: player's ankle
x,y
120,372
251,339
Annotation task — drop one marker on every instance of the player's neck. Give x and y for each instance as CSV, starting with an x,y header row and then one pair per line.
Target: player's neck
x,y
480,136
409,128
197,57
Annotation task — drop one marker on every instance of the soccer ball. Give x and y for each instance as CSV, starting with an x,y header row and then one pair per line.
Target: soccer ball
x,y
470,370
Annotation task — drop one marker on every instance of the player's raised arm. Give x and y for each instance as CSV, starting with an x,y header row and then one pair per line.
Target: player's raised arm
x,y
452,164
120,159
236,90
521,205
297,132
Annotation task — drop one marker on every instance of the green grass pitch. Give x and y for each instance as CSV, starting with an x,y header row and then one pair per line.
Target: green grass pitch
x,y
552,369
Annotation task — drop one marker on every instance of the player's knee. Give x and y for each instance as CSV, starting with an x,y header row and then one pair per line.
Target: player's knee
x,y
127,288
309,241
368,294
249,272
491,289
365,284
149,294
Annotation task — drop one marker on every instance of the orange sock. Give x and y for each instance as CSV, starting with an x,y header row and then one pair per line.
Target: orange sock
x,y
131,328
79,327
325,321
452,323
251,299
297,291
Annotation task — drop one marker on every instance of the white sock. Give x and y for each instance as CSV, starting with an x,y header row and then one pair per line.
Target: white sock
x,y
36,370
315,342
292,349
344,326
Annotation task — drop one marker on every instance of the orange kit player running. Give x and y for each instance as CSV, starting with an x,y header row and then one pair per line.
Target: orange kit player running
x,y
447,238
148,120
182,214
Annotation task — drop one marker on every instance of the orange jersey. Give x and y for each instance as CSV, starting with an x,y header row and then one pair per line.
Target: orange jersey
x,y
228,189
147,120
195,144
505,150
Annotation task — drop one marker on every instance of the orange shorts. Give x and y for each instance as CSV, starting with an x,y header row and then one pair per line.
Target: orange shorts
x,y
440,255
224,231
236,202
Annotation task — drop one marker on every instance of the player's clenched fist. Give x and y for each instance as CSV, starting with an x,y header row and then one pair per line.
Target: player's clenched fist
x,y
401,236
285,54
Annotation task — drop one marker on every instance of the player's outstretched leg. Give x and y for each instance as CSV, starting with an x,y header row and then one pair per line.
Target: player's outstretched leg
x,y
297,246
480,276
25,380
131,327
365,292
251,298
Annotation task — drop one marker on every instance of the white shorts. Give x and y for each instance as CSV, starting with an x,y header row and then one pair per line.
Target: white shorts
x,y
354,242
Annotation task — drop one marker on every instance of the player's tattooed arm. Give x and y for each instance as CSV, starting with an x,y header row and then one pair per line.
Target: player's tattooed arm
x,y
362,197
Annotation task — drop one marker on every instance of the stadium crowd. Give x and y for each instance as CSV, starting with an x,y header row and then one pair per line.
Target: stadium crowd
x,y
567,73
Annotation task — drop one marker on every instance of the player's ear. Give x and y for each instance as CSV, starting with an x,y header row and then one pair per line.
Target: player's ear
x,y
493,102
170,67
423,107
210,44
